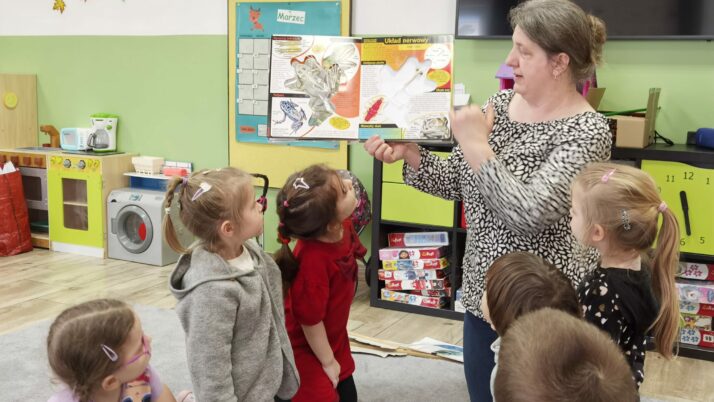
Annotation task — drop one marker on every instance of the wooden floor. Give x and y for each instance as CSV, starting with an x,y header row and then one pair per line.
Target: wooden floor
x,y
40,284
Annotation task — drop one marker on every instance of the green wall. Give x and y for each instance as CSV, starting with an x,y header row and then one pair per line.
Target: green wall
x,y
171,91
683,69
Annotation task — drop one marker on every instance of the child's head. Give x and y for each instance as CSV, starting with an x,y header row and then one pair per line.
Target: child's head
x,y
520,282
548,355
218,206
312,203
616,209
97,345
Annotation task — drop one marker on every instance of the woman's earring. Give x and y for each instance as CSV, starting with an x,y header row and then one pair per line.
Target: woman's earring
x,y
555,75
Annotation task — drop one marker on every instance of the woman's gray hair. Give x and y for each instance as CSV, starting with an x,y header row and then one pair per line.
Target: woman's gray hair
x,y
561,26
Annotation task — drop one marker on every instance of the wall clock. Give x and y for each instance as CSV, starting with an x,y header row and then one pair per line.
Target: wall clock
x,y
689,193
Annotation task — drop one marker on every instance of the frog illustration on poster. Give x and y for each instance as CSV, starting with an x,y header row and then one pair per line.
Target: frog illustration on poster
x,y
256,22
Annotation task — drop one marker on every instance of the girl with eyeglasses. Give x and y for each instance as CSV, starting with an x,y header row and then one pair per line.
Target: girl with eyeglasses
x,y
99,352
230,300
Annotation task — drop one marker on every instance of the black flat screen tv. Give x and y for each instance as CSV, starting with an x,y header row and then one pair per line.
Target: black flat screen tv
x,y
625,19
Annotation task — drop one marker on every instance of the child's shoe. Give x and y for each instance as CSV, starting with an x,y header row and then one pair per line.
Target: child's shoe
x,y
185,396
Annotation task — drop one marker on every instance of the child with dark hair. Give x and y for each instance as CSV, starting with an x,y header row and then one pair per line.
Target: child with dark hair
x,y
551,356
99,352
617,210
319,275
230,300
518,283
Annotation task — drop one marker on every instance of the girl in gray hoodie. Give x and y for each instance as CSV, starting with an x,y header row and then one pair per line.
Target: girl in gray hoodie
x,y
229,292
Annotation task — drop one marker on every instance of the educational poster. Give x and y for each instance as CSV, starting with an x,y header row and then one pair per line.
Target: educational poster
x,y
256,22
324,87
314,87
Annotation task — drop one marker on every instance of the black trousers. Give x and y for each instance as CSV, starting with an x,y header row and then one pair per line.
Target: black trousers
x,y
345,389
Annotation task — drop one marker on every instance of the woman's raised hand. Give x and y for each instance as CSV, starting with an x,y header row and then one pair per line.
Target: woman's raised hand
x,y
470,125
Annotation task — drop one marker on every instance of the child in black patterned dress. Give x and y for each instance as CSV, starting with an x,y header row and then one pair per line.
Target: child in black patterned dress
x,y
616,209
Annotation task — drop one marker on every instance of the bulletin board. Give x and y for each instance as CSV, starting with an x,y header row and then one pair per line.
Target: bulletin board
x,y
277,161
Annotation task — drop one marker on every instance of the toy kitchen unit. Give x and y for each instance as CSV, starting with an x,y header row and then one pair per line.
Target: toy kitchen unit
x,y
79,183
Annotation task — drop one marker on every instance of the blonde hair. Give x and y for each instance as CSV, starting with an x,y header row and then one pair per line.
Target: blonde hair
x,y
226,200
551,356
74,343
625,202
561,26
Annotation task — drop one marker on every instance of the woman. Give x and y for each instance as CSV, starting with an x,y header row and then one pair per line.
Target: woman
x,y
514,163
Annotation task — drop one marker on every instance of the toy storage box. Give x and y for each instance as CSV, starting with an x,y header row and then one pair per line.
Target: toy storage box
x,y
695,291
411,253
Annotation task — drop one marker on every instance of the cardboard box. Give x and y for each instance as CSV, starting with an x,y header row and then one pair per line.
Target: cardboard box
x,y
695,291
697,337
702,272
424,253
638,132
702,322
630,132
411,274
392,265
417,284
423,301
696,308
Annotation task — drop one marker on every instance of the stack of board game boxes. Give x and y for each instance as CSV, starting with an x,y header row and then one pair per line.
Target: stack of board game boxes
x,y
415,269
695,286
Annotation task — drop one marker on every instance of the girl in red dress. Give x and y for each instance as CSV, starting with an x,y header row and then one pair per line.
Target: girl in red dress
x,y
319,276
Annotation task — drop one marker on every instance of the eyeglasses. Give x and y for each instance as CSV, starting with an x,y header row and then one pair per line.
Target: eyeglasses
x,y
263,199
145,351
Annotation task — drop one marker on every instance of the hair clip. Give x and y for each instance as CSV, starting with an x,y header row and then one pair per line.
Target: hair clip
x,y
662,207
202,189
300,183
625,220
111,354
607,175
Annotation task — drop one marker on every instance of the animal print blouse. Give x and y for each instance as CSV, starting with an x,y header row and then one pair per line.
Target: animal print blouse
x,y
519,200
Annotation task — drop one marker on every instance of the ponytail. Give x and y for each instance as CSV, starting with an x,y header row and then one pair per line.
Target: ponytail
x,y
664,268
168,226
286,260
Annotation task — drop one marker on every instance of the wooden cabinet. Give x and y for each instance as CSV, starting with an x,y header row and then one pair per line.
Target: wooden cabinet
x,y
18,111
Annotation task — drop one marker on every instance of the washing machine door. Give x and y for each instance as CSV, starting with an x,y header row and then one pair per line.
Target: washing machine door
x,y
134,229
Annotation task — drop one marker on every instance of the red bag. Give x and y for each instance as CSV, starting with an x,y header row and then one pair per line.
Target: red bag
x,y
14,221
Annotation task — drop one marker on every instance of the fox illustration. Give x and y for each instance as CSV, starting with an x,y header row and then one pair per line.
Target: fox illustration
x,y
254,15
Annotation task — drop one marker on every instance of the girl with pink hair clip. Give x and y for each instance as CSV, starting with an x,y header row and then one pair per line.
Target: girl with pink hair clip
x,y
631,294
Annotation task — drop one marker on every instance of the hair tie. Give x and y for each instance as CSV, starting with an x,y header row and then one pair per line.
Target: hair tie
x,y
607,175
285,203
184,180
280,224
282,239
662,207
167,210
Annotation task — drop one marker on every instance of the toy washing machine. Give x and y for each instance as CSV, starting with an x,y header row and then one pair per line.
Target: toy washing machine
x,y
134,227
